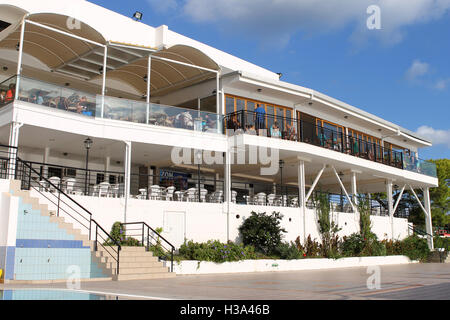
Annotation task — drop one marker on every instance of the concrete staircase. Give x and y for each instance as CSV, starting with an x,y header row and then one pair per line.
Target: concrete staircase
x,y
135,263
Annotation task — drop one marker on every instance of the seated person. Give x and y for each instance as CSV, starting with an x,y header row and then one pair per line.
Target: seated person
x,y
250,129
2,96
275,130
39,98
290,132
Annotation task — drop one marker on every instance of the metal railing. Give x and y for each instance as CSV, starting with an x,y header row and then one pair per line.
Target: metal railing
x,y
8,155
150,239
69,208
285,128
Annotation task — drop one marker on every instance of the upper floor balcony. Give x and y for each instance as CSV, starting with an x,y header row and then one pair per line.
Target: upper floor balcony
x,y
106,107
280,127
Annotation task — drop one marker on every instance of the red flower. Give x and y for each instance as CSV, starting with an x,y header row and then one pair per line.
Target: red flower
x,y
304,254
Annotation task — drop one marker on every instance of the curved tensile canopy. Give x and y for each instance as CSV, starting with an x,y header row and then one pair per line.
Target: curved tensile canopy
x,y
82,55
166,75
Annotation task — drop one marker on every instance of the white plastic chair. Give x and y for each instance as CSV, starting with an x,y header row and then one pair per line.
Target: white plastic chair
x,y
43,185
55,181
114,190
191,194
217,197
70,184
142,194
261,199
294,202
203,193
233,196
103,189
271,199
155,192
169,193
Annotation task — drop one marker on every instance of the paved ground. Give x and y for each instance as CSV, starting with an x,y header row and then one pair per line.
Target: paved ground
x,y
413,281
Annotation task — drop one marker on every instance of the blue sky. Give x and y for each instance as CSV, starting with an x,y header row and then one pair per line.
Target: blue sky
x,y
400,72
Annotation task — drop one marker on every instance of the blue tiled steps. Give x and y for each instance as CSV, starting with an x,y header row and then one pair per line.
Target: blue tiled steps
x,y
135,262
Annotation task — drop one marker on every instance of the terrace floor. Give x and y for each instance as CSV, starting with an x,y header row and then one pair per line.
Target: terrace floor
x,y
412,282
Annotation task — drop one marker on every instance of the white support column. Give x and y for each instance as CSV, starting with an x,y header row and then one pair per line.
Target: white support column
x,y
149,74
107,167
390,204
105,61
227,191
428,222
355,209
127,177
19,61
301,196
45,161
12,152
217,93
354,188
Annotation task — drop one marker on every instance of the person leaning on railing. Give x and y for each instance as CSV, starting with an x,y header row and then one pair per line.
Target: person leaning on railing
x,y
10,94
2,97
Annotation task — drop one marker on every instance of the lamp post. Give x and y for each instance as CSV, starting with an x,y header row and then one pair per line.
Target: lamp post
x,y
199,159
87,144
281,165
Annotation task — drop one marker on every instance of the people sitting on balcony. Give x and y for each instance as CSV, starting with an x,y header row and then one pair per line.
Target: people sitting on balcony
x,y
290,132
61,103
233,123
250,129
39,98
259,117
2,96
322,138
82,105
275,130
11,93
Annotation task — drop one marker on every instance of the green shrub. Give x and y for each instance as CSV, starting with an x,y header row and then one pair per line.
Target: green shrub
x,y
118,234
215,251
415,248
440,242
262,231
353,245
288,251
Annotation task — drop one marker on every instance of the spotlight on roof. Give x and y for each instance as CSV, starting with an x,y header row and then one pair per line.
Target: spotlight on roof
x,y
279,75
137,16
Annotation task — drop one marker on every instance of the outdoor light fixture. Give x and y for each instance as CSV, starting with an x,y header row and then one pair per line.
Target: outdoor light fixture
x,y
137,16
145,78
18,46
259,90
310,103
279,75
87,144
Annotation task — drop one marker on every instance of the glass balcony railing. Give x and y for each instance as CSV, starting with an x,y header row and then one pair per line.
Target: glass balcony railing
x,y
57,97
411,163
7,91
161,115
72,100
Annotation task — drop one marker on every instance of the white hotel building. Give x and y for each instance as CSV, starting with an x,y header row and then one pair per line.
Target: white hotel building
x,y
97,106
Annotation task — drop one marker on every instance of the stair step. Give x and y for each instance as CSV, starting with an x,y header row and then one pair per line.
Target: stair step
x,y
133,270
146,264
121,277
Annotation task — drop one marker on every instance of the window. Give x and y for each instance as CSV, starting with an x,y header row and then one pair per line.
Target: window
x,y
100,178
54,172
71,172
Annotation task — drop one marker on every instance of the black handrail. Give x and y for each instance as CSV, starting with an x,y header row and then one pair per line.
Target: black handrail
x,y
145,230
251,122
27,179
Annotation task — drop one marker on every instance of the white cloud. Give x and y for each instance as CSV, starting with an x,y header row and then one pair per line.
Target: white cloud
x,y
417,70
436,136
442,84
269,20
